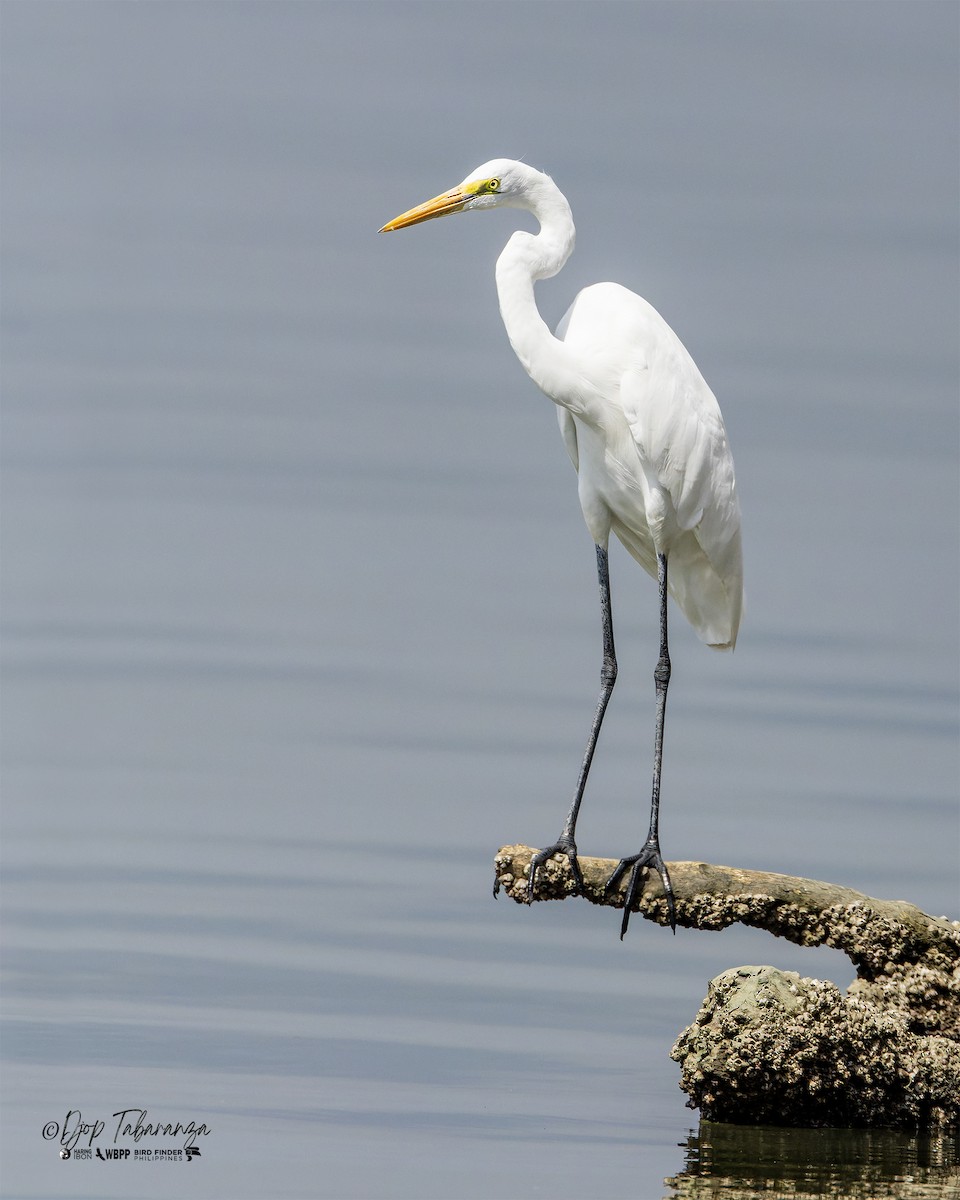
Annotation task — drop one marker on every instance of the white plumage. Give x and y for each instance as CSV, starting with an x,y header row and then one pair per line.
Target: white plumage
x,y
645,435
659,468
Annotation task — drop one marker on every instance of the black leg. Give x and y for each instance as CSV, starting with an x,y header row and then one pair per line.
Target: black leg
x,y
650,856
566,843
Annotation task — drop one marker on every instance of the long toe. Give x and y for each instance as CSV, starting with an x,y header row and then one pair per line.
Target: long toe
x,y
564,845
649,858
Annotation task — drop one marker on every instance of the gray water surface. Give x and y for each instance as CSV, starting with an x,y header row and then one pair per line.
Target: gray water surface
x,y
300,620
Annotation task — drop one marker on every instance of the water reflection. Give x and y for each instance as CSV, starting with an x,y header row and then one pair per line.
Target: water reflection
x,y
745,1162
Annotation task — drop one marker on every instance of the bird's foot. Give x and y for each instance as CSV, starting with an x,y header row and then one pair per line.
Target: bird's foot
x,y
564,845
649,858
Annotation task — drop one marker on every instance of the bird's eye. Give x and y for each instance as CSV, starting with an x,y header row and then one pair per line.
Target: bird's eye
x,y
493,185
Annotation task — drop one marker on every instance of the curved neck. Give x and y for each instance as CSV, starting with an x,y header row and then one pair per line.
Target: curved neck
x,y
526,258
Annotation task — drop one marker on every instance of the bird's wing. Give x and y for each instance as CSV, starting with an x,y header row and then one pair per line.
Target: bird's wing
x,y
675,428
675,420
639,364
680,438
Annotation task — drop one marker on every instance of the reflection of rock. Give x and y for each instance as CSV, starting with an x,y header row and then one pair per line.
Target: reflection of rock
x,y
743,1162
771,1048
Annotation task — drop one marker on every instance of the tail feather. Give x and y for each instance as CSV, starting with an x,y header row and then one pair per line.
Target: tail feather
x,y
711,602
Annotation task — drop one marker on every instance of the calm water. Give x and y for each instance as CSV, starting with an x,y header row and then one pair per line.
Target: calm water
x,y
299,610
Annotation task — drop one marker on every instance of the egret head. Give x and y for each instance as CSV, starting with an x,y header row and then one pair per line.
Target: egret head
x,y
500,182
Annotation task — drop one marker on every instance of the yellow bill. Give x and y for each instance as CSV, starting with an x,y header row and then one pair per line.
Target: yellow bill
x,y
439,206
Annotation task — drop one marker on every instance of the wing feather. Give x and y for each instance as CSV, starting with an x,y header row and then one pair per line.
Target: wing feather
x,y
681,445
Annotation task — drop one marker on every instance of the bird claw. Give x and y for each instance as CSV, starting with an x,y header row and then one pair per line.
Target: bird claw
x,y
649,858
564,845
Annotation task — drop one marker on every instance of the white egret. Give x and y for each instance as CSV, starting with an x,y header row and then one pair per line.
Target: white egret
x,y
647,441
